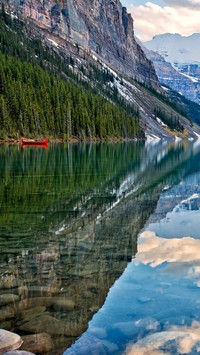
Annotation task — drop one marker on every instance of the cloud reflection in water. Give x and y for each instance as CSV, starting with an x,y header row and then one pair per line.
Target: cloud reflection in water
x,y
184,252
176,340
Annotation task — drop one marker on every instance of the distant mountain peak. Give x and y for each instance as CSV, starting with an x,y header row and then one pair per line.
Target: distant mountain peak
x,y
177,62
165,35
176,48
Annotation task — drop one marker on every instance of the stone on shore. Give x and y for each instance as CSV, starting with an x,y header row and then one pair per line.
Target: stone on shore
x,y
9,341
37,343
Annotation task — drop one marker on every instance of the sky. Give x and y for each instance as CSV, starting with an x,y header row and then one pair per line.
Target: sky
x,y
164,16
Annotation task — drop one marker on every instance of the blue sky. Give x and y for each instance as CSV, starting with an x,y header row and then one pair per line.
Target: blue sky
x,y
164,16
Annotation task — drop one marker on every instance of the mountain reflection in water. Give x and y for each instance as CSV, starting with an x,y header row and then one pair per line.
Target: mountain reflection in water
x,y
69,222
153,308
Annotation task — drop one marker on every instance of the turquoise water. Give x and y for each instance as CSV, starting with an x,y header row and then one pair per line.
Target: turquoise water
x,y
99,246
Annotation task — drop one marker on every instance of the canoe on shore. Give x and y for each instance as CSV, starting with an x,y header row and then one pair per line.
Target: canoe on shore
x,y
34,141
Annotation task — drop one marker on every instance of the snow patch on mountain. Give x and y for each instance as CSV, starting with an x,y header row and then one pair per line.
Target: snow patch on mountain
x,y
160,122
194,80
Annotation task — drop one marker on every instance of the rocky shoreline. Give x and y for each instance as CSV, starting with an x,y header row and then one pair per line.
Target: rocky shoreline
x,y
76,140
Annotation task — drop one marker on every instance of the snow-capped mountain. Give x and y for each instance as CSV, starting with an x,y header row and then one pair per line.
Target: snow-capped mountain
x,y
177,62
176,49
182,52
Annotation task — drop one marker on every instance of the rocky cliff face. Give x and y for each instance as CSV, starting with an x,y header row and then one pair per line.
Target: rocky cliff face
x,y
103,27
112,36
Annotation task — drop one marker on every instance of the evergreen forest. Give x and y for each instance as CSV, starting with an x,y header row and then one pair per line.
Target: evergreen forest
x,y
171,121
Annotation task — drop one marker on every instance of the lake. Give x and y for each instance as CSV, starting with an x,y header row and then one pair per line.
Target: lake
x,y
99,246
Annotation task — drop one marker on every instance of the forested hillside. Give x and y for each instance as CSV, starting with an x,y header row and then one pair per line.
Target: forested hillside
x,y
53,87
40,96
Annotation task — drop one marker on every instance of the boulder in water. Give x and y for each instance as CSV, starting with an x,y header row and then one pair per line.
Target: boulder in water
x,y
37,343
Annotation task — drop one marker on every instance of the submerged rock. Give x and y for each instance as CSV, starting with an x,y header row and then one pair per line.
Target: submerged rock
x,y
9,281
31,313
8,298
63,305
37,343
35,302
9,341
7,313
51,325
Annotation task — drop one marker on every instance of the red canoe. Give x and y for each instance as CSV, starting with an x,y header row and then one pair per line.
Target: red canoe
x,y
34,141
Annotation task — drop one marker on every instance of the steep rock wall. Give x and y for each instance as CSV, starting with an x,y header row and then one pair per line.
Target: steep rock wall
x,y
101,26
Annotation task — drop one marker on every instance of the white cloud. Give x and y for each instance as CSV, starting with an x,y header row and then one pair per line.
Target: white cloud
x,y
151,19
194,4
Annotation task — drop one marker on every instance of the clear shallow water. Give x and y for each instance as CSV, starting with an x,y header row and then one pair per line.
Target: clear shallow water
x,y
70,253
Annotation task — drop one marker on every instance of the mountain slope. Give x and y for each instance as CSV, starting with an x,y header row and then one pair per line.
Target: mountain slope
x,y
191,108
71,62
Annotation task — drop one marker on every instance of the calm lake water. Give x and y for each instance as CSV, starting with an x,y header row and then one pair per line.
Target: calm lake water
x,y
100,246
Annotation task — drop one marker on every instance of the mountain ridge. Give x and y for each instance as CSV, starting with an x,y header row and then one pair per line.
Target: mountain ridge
x,y
87,68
